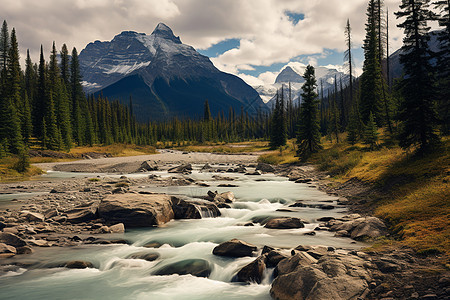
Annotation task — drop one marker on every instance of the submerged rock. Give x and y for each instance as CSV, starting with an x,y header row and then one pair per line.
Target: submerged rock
x,y
195,267
78,264
148,256
284,223
137,210
234,248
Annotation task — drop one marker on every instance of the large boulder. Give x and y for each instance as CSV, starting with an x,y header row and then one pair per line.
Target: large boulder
x,y
137,210
361,228
148,165
195,267
234,248
184,168
82,214
266,168
273,257
284,223
332,277
194,209
253,272
12,240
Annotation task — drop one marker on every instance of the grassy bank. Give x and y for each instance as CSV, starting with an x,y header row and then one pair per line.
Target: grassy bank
x,y
411,193
230,148
7,164
8,172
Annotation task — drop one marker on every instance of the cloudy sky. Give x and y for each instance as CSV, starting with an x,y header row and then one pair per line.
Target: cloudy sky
x,y
249,38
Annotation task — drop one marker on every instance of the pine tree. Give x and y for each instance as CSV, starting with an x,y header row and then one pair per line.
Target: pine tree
x,y
418,115
206,112
77,95
65,70
278,132
39,103
352,128
370,132
443,64
4,54
308,136
348,57
371,78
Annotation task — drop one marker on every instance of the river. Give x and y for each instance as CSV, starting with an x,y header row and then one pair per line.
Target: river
x,y
116,276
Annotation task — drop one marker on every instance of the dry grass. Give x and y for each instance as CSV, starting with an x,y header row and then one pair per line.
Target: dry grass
x,y
116,150
244,147
8,174
285,155
413,191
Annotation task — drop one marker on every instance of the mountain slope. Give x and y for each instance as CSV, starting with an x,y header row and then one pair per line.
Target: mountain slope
x,y
164,77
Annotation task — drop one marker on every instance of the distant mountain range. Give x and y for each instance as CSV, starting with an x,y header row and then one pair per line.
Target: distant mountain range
x,y
164,77
293,74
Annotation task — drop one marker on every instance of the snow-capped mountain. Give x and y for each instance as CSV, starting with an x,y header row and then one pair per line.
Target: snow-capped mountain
x,y
292,73
164,77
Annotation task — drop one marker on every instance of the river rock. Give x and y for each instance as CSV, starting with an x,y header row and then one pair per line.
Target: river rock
x,y
256,172
361,228
148,256
184,168
274,257
324,279
117,228
32,216
195,267
7,249
253,272
50,213
137,210
78,264
234,248
266,168
148,166
284,223
206,168
194,209
24,250
11,239
82,214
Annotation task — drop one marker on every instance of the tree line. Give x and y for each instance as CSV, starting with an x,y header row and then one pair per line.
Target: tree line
x,y
412,110
44,106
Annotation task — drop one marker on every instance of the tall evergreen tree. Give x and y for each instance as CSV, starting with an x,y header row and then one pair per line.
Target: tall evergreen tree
x,y
348,57
4,54
308,136
65,69
206,112
278,132
40,101
77,96
371,78
443,64
418,115
370,132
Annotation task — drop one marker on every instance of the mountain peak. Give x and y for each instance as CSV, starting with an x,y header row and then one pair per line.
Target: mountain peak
x,y
164,31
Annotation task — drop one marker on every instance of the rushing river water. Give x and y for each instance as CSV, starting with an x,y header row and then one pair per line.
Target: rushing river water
x,y
117,277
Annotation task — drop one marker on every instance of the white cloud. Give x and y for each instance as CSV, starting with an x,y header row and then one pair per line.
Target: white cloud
x,y
267,35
